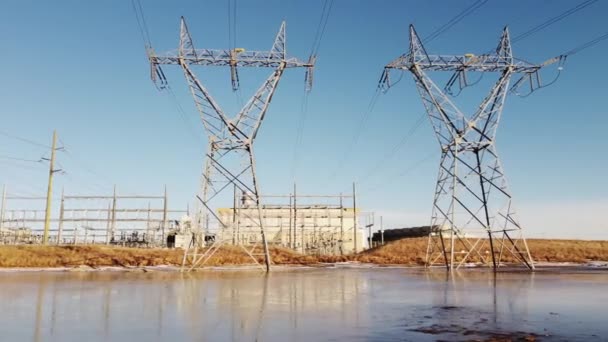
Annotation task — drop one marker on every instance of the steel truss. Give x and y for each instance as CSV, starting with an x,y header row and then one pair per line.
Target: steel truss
x,y
472,217
230,159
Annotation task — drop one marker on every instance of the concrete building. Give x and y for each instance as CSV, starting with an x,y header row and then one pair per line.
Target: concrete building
x,y
309,229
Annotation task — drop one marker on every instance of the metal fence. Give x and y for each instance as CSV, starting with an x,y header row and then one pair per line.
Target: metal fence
x,y
129,220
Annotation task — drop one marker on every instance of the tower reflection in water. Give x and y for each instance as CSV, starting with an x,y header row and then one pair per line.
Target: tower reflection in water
x,y
307,304
234,306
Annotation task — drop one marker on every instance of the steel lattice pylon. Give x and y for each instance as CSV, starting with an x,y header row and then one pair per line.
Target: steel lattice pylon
x,y
472,216
230,158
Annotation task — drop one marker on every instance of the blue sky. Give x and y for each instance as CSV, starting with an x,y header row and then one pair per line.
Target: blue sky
x,y
80,67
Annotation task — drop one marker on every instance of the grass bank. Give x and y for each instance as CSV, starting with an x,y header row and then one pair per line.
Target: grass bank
x,y
409,252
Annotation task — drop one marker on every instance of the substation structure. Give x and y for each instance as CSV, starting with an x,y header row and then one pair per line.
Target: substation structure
x,y
473,217
230,161
310,224
125,220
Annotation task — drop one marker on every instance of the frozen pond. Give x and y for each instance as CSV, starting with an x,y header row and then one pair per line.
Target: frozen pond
x,y
339,304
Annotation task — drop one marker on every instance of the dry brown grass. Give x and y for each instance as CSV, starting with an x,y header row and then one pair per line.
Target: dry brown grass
x,y
100,256
94,256
403,252
412,251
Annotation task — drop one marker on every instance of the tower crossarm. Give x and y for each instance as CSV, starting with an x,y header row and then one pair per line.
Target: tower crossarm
x,y
208,57
468,62
498,61
245,125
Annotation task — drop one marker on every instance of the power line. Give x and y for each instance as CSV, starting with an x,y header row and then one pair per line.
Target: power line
x,y
299,134
141,23
28,167
364,117
20,159
230,25
25,140
586,45
404,140
561,60
549,22
327,5
358,131
234,24
145,34
552,20
455,20
325,12
535,29
403,173
182,114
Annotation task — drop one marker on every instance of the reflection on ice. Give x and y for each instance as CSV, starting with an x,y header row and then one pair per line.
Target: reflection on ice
x,y
314,304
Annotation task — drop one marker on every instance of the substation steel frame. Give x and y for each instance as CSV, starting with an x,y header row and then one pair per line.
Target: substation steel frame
x,y
228,136
471,194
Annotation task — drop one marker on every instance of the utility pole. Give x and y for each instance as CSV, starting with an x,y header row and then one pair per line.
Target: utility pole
x,y
49,192
234,218
354,218
113,222
2,210
164,242
61,211
109,224
369,229
341,226
381,232
290,220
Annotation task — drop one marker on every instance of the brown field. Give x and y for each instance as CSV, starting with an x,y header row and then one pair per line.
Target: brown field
x,y
404,252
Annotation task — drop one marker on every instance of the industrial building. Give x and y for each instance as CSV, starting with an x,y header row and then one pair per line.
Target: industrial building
x,y
309,229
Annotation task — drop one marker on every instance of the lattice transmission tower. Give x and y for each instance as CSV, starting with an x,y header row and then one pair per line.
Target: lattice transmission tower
x,y
230,160
472,217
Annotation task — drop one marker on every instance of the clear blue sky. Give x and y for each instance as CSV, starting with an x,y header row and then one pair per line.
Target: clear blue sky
x,y
80,67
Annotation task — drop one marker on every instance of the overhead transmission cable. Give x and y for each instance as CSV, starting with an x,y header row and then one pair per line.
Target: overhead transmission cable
x,y
586,45
535,29
20,159
531,31
358,131
552,20
403,173
141,23
320,32
145,36
517,38
366,114
25,140
561,60
393,151
455,20
232,20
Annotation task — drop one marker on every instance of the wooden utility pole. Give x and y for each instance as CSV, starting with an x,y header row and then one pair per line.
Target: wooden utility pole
x,y
49,192
381,231
341,226
164,243
354,218
2,210
109,224
234,200
290,221
369,230
61,210
295,219
113,223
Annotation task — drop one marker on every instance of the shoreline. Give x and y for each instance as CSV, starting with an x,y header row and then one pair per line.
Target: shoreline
x,y
539,267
